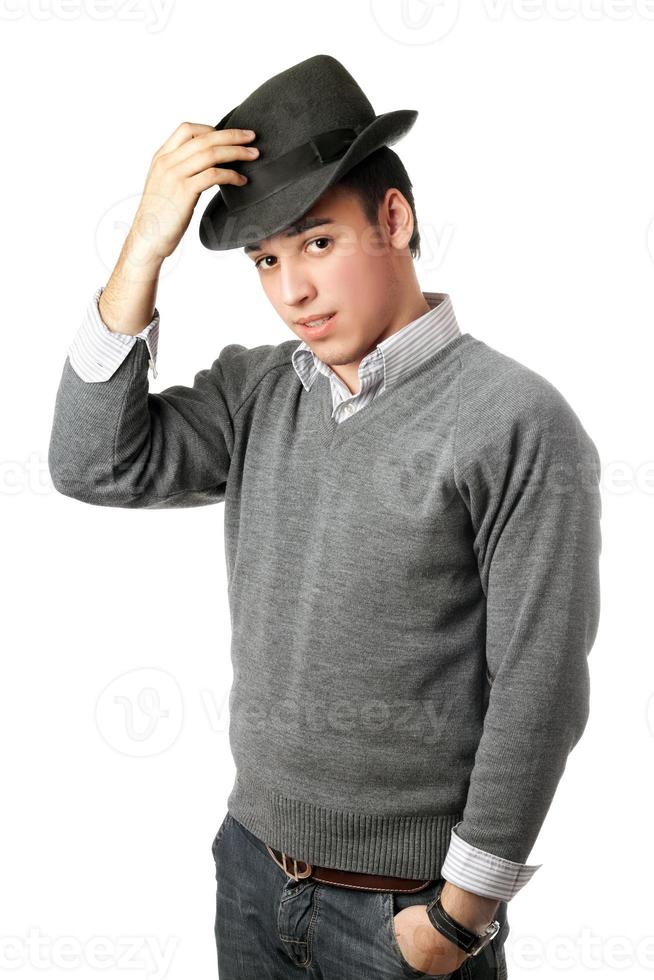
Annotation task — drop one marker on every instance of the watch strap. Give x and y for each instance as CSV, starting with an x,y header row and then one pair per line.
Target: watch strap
x,y
470,942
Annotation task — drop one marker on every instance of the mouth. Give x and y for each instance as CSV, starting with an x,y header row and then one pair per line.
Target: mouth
x,y
321,329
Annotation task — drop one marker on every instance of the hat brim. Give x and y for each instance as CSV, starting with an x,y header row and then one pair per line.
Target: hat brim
x,y
221,229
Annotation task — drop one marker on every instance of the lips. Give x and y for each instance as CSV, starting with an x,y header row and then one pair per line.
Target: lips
x,y
321,330
315,320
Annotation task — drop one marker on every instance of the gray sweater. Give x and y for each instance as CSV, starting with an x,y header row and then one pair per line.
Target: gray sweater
x,y
413,591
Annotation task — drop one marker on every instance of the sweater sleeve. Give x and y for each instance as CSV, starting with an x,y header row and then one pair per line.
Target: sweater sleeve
x,y
529,475
115,444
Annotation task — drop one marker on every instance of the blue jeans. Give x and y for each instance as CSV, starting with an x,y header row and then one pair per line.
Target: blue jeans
x,y
270,927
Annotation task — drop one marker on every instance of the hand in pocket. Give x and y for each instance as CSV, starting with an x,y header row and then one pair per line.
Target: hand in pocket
x,y
423,947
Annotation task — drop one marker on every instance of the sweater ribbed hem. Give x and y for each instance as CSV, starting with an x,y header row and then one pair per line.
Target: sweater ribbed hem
x,y
407,846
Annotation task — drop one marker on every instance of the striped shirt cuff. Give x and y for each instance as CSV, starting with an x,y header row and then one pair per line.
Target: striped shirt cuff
x,y
96,352
483,873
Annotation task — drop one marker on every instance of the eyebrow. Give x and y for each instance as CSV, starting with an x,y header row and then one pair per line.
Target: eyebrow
x,y
293,231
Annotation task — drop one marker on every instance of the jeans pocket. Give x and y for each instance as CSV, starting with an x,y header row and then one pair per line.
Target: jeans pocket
x,y
219,834
395,901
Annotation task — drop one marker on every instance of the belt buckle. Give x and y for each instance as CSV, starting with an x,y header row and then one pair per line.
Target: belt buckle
x,y
295,875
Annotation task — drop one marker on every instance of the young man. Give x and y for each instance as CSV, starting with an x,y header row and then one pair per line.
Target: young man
x,y
412,537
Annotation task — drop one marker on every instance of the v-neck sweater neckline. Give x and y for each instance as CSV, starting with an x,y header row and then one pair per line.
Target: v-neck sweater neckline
x,y
333,434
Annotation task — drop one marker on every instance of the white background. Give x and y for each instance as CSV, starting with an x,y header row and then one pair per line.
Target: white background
x,y
532,162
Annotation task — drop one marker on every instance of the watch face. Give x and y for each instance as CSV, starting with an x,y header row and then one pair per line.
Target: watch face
x,y
484,940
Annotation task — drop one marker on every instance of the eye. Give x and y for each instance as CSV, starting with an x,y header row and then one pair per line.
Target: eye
x,y
321,239
313,241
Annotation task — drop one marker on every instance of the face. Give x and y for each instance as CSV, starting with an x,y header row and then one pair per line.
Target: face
x,y
339,264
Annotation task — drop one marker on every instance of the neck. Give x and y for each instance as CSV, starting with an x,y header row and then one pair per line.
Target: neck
x,y
412,306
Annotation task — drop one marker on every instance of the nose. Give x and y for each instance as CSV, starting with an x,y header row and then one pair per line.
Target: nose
x,y
296,291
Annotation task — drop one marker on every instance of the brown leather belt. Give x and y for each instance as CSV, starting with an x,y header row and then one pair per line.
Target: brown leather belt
x,y
345,879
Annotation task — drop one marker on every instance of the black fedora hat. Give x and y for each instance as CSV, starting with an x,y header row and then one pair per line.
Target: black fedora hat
x,y
313,123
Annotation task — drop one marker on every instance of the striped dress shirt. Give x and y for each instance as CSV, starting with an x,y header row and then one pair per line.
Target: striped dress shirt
x,y
96,352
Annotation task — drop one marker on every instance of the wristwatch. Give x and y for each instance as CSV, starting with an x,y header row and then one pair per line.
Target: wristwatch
x,y
462,937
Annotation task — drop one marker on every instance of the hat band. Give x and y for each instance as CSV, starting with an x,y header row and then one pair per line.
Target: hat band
x,y
266,178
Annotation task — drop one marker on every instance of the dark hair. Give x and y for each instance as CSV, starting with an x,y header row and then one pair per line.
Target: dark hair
x,y
371,178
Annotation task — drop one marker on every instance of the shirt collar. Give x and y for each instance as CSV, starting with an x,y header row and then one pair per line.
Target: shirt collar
x,y
395,355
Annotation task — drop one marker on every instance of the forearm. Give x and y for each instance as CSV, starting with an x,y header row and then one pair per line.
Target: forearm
x,y
128,300
473,911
